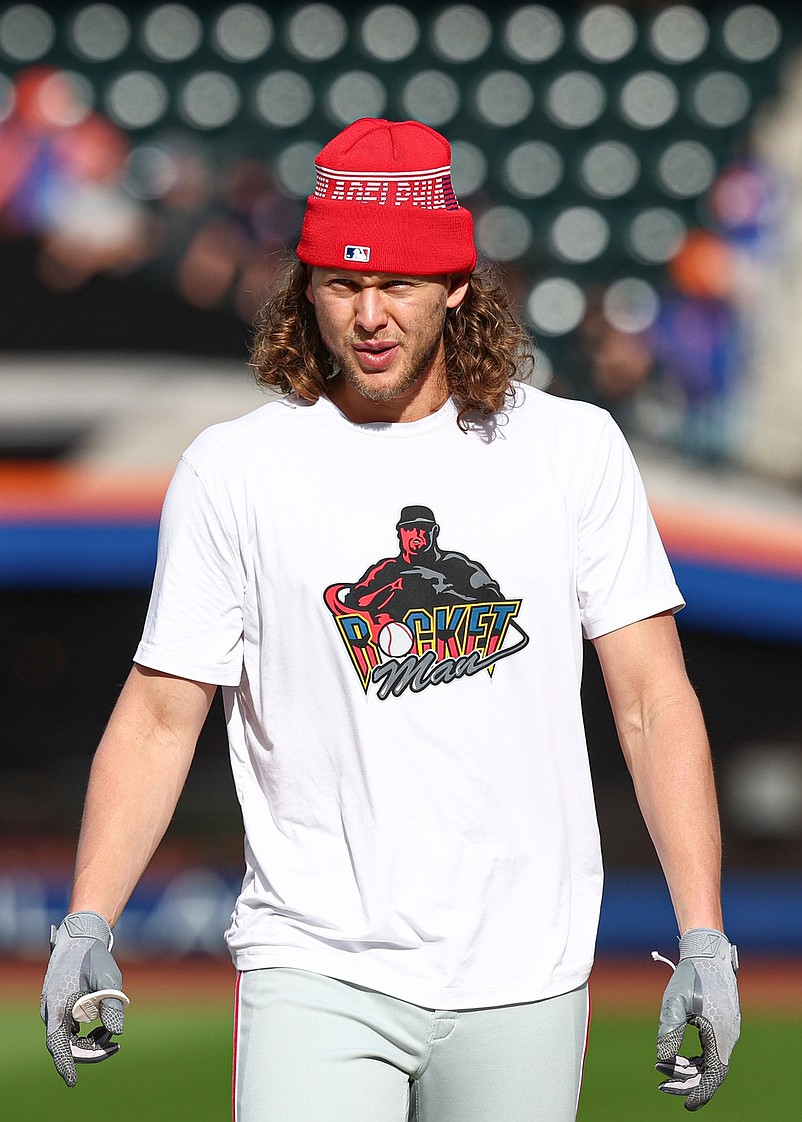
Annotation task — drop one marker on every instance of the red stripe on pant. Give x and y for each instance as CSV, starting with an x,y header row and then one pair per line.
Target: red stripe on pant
x,y
235,1049
587,1043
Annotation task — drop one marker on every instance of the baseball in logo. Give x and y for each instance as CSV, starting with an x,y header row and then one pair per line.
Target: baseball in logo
x,y
424,617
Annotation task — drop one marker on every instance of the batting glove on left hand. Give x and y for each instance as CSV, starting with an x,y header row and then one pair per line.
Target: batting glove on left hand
x,y
81,963
702,992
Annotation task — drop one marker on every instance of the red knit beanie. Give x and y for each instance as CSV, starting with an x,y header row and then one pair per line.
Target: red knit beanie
x,y
384,203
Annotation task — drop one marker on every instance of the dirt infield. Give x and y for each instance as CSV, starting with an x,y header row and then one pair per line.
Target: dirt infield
x,y
617,984
767,984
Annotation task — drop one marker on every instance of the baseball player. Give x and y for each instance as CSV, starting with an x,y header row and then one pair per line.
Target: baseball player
x,y
416,924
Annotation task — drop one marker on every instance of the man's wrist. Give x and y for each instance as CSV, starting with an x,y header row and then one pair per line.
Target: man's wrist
x,y
708,942
88,924
702,941
707,918
86,903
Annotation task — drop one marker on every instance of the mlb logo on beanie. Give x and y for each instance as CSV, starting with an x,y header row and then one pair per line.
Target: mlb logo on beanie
x,y
383,194
357,253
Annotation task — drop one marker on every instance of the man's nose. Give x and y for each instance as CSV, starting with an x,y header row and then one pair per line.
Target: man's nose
x,y
369,310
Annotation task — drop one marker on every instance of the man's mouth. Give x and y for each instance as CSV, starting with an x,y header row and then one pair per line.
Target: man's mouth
x,y
377,356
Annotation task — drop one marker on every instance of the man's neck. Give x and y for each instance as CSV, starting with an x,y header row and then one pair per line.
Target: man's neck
x,y
420,401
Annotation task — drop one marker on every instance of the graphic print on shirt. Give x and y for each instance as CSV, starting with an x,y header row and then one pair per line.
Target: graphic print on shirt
x,y
424,617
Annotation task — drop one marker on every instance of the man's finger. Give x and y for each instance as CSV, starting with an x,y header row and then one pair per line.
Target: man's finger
x,y
112,1015
58,1045
680,1086
714,1071
677,1004
88,1007
107,1006
669,1045
683,1075
681,1068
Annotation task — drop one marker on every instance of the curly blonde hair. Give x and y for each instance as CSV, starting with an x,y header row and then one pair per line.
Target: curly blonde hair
x,y
487,348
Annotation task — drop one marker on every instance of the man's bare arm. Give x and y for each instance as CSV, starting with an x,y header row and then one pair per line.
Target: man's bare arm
x,y
665,744
663,736
137,776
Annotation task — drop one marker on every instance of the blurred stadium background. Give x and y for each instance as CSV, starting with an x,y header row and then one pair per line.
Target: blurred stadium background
x,y
635,169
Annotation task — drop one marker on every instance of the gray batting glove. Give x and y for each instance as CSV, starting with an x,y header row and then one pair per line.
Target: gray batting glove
x,y
80,963
703,991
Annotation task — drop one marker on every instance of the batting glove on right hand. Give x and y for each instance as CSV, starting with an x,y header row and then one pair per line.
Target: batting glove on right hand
x,y
81,963
703,992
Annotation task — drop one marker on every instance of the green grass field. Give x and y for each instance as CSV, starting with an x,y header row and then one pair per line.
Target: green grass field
x,y
175,1065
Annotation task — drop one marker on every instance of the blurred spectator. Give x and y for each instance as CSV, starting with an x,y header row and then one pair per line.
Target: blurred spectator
x,y
671,362
61,169
704,334
240,242
69,179
697,344
602,363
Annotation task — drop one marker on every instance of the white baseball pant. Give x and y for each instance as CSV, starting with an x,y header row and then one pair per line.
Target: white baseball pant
x,y
314,1049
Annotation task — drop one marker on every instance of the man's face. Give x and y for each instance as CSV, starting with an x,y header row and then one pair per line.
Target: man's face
x,y
415,537
385,334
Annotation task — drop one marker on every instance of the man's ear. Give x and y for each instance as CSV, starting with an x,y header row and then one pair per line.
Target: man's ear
x,y
457,289
309,291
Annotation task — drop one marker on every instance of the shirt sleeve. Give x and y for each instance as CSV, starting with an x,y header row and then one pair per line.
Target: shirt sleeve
x,y
194,623
623,573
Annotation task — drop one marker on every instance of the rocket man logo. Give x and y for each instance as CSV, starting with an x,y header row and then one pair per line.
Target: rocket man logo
x,y
424,617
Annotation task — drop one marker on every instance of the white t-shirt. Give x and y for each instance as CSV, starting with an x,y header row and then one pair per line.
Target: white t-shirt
x,y
405,727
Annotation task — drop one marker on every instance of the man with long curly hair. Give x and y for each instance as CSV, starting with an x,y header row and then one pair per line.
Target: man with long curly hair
x,y
417,919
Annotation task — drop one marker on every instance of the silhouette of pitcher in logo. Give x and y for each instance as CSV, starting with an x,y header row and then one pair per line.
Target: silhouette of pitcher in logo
x,y
437,610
